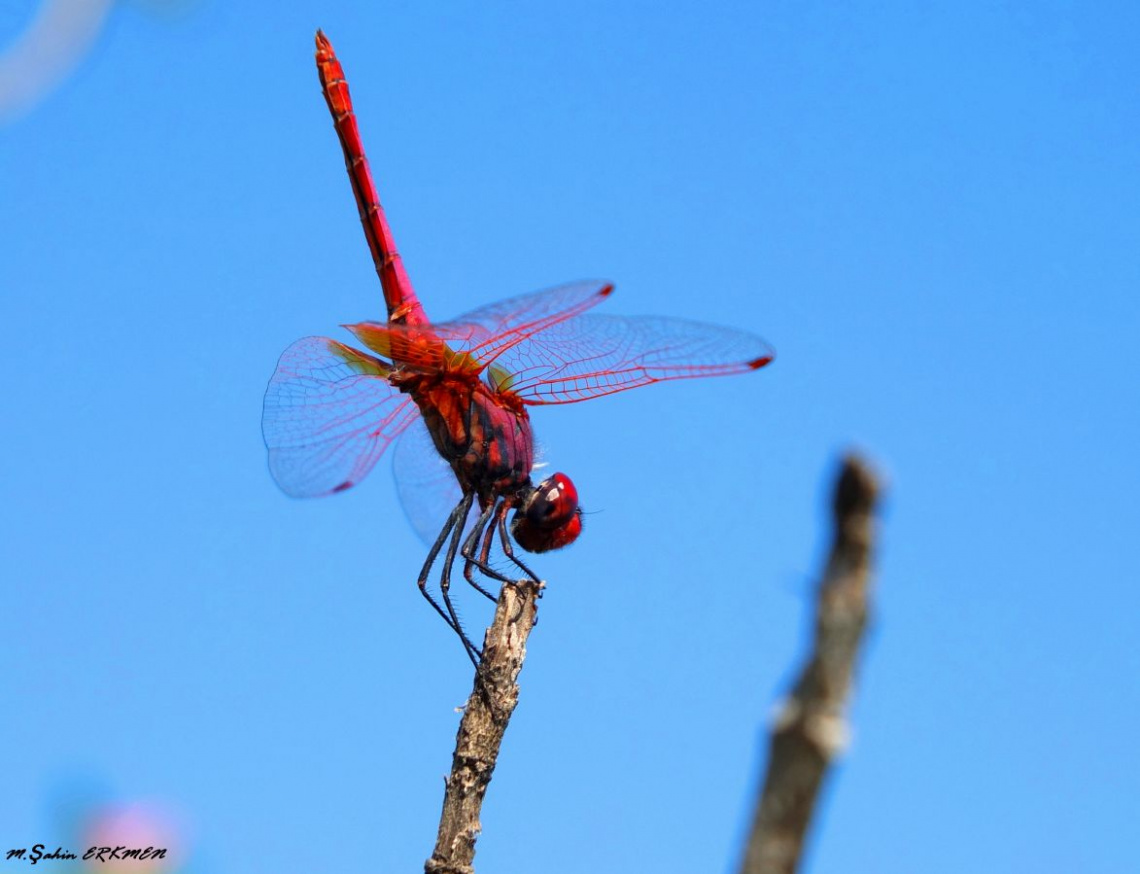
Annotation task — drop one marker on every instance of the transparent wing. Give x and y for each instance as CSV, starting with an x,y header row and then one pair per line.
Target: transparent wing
x,y
477,338
593,355
426,484
483,334
329,414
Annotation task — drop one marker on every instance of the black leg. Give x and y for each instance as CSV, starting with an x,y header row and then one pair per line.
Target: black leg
x,y
488,539
426,571
470,561
508,550
463,509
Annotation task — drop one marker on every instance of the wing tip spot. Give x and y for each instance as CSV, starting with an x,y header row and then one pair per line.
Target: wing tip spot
x,y
757,363
347,484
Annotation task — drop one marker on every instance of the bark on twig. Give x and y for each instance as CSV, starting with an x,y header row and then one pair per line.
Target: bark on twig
x,y
810,729
481,729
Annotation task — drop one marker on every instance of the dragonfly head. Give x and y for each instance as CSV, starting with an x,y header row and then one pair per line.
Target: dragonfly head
x,y
549,517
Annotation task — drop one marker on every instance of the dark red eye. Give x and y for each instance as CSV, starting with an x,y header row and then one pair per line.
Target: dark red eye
x,y
553,501
549,518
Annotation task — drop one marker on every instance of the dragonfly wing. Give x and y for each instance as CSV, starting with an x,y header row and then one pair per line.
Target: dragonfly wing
x,y
487,332
477,338
329,414
594,355
426,483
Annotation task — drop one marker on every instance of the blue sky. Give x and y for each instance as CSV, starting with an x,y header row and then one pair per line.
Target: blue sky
x,y
931,211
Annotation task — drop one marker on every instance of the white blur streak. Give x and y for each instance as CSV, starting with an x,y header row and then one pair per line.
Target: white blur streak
x,y
58,38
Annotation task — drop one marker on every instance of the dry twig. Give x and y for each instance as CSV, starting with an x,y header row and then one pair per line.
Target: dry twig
x,y
481,729
810,728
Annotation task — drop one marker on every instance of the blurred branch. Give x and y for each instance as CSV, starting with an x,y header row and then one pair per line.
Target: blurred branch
x,y
481,729
810,730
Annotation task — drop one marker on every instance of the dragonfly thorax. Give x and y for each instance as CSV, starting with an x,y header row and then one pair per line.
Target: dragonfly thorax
x,y
488,442
486,439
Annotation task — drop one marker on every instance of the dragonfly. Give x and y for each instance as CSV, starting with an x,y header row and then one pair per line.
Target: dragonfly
x,y
454,396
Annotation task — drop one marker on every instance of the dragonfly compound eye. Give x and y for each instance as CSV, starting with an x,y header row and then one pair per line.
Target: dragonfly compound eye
x,y
553,502
549,518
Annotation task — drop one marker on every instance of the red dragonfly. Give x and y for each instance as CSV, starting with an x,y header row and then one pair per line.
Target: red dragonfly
x,y
456,394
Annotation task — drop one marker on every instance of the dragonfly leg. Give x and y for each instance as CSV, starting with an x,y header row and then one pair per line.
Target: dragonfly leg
x,y
483,562
508,550
473,652
425,572
469,559
489,541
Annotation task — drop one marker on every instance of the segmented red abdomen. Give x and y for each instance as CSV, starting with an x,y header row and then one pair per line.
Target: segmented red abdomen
x,y
403,306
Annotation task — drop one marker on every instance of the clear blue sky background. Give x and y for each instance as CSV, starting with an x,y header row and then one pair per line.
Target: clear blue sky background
x,y
931,210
